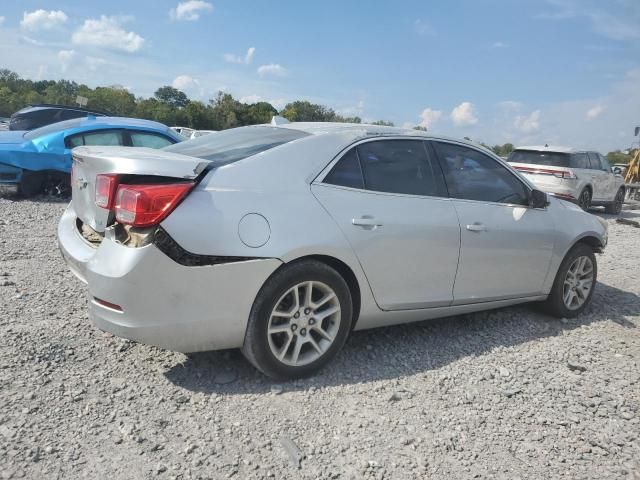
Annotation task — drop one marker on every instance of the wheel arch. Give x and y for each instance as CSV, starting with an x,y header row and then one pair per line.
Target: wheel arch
x,y
345,272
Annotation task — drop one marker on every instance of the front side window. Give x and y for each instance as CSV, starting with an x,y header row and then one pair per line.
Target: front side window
x,y
580,160
149,140
472,175
606,166
397,166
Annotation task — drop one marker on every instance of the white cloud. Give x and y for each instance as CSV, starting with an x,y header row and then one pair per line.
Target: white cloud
x,y
65,57
273,69
2,19
528,123
107,32
621,26
95,63
509,105
250,99
190,11
429,117
278,103
595,112
43,20
498,45
247,59
423,28
184,82
464,114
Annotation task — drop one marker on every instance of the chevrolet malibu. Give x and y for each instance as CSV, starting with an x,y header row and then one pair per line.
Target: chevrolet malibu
x,y
282,239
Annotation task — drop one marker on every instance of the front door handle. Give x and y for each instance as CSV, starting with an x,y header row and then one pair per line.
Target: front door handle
x,y
366,222
476,227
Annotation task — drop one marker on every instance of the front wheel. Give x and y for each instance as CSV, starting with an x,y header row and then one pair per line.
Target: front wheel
x,y
574,283
31,183
299,321
616,207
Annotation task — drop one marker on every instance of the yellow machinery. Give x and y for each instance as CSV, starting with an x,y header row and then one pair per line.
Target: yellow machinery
x,y
633,170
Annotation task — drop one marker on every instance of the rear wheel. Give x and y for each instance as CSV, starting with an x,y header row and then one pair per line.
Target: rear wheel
x,y
574,283
616,206
299,321
31,183
584,200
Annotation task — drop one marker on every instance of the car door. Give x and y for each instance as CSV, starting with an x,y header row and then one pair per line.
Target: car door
x,y
600,178
388,198
610,185
506,246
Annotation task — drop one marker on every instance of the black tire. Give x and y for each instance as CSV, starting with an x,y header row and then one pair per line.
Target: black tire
x,y
584,199
616,206
256,342
554,305
32,183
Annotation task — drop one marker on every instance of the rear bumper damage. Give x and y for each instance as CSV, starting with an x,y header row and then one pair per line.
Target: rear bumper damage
x,y
142,294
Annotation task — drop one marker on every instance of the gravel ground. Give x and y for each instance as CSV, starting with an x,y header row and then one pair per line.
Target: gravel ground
x,y
504,394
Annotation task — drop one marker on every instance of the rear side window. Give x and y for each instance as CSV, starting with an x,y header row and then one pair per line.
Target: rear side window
x,y
397,166
606,166
347,172
229,146
580,160
102,138
473,175
149,140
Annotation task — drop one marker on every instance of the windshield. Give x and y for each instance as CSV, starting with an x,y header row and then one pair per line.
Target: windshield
x,y
551,159
235,144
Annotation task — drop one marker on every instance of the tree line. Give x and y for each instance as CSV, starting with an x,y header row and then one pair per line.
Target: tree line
x,y
172,107
168,104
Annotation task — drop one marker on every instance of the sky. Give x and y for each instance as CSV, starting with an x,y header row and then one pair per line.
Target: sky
x,y
528,72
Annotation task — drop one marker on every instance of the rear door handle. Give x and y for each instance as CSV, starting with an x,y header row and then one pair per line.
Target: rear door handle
x,y
476,227
368,223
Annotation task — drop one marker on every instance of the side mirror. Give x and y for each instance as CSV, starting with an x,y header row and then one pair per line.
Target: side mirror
x,y
538,199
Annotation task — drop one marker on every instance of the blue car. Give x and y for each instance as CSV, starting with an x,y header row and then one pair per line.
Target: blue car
x,y
32,160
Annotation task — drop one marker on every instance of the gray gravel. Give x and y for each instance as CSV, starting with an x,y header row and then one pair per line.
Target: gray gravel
x,y
504,394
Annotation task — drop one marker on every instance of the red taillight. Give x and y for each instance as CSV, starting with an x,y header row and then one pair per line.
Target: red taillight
x,y
566,174
147,205
106,185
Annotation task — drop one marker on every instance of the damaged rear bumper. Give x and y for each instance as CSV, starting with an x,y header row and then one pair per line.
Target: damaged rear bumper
x,y
142,294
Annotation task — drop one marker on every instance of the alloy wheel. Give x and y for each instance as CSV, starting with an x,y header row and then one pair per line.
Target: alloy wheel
x,y
578,283
304,323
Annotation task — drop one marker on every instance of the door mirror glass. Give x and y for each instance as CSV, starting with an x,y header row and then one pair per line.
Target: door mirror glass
x,y
538,199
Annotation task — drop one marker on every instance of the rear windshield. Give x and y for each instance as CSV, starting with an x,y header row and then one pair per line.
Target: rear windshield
x,y
54,127
551,159
235,144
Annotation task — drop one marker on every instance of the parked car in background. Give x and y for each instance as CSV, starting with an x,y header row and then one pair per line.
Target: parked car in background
x,y
200,133
619,168
40,115
580,176
186,132
31,160
281,240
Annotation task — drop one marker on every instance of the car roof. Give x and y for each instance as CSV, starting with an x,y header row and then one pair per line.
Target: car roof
x,y
91,121
368,130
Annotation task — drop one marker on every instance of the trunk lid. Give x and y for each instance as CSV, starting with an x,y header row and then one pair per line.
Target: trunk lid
x,y
541,173
88,162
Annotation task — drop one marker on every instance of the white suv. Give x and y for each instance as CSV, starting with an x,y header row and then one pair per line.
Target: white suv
x,y
583,177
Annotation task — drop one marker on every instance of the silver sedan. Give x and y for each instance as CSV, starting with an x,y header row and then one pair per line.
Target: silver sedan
x,y
281,239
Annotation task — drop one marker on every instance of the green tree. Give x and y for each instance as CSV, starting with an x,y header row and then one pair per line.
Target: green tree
x,y
304,111
618,156
116,101
197,116
421,128
384,123
171,96
260,112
